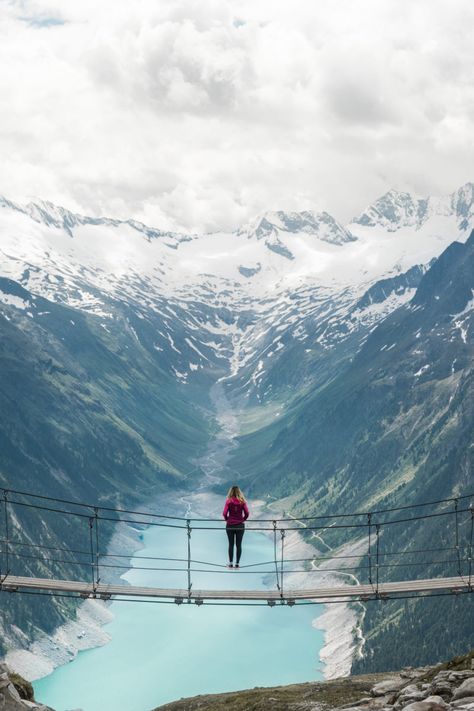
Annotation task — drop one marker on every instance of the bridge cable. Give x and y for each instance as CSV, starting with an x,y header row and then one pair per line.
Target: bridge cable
x,y
302,518
361,513
244,572
332,557
254,528
91,506
71,551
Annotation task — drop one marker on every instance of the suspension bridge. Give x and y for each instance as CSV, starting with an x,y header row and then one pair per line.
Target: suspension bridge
x,y
436,536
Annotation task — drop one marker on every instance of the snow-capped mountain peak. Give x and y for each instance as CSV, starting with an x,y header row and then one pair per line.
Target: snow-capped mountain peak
x,y
318,224
395,210
391,211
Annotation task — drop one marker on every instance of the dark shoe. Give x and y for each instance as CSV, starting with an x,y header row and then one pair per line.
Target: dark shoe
x,y
237,565
231,565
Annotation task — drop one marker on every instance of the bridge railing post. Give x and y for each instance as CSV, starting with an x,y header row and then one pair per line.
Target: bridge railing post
x,y
471,536
97,552
369,553
275,558
7,537
377,549
91,547
282,532
458,552
188,532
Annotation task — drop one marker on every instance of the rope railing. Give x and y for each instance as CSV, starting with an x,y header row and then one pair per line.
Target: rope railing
x,y
147,522
374,512
454,558
243,569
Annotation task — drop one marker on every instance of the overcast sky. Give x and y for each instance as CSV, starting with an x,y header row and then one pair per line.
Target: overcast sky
x,y
199,114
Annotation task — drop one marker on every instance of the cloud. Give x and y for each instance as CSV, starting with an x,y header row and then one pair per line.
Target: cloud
x,y
196,116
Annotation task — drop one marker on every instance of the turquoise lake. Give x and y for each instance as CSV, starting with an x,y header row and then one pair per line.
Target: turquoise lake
x,y
159,653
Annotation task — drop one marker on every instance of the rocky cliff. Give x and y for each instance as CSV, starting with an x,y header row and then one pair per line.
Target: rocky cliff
x,y
16,694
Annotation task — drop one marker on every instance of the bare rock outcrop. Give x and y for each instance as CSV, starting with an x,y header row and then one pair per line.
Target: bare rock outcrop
x,y
16,694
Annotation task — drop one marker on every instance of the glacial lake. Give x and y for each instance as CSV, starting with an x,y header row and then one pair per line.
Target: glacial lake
x,y
160,653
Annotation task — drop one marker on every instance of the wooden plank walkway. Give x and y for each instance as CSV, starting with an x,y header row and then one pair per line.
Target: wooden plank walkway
x,y
14,583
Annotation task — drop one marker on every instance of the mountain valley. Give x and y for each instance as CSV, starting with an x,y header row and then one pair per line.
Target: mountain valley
x,y
345,353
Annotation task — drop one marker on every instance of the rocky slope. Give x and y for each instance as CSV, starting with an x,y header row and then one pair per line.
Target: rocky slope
x,y
16,694
446,687
86,413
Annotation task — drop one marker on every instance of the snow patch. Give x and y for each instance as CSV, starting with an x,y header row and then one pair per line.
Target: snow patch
x,y
16,301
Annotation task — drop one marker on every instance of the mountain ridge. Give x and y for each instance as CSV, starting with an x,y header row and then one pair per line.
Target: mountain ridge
x,y
396,209
393,207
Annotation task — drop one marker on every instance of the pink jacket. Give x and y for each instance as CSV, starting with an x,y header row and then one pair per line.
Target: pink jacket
x,y
235,511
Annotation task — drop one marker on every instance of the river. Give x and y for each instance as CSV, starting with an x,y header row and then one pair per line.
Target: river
x,y
162,652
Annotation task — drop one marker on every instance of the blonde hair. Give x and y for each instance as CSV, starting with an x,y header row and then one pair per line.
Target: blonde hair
x,y
235,493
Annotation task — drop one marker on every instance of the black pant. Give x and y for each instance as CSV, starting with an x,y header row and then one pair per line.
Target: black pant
x,y
235,533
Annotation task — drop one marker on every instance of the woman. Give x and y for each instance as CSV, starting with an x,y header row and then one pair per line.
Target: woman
x,y
235,513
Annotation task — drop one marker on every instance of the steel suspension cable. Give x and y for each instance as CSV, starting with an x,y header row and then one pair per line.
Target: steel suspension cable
x,y
344,557
69,502
333,527
49,548
222,565
223,568
302,518
254,528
